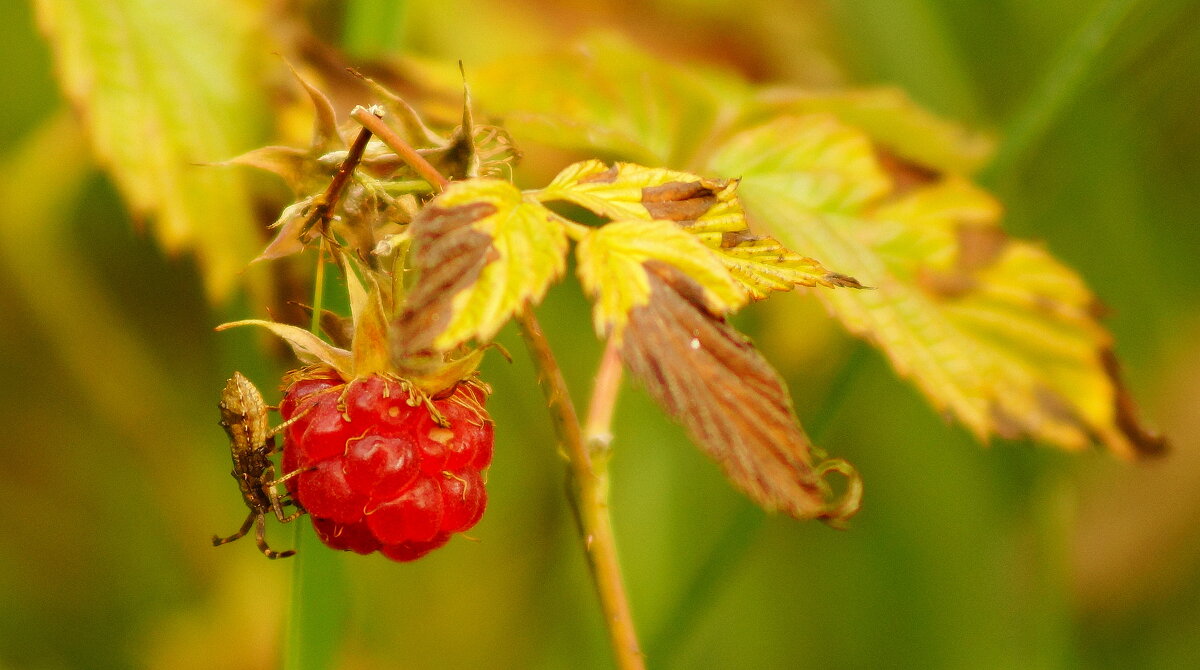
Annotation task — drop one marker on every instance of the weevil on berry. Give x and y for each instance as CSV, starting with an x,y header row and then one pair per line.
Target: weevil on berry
x,y
244,416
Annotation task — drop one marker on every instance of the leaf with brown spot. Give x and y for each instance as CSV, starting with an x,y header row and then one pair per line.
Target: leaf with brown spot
x,y
481,251
732,403
707,208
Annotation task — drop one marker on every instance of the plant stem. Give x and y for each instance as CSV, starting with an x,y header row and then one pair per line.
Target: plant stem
x,y
396,143
598,430
318,290
587,455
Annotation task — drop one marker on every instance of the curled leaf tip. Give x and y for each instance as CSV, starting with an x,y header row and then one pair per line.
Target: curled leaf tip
x,y
840,509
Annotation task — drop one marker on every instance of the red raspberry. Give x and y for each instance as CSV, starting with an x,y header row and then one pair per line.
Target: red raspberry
x,y
383,474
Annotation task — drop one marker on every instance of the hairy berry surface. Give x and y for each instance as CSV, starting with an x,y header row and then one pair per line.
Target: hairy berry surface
x,y
383,474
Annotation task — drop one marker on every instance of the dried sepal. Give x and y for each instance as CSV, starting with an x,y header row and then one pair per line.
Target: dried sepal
x,y
412,126
290,231
308,347
369,350
325,135
289,163
730,400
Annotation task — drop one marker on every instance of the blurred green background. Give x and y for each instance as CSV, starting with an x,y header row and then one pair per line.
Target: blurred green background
x,y
115,473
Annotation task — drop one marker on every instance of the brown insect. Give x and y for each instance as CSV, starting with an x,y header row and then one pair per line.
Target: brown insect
x,y
252,441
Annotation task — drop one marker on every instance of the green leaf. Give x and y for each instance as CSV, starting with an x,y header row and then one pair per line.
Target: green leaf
x,y
706,208
615,261
993,331
162,87
606,96
482,251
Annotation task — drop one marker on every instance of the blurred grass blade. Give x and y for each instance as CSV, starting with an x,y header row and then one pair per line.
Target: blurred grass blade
x,y
1063,82
162,86
319,610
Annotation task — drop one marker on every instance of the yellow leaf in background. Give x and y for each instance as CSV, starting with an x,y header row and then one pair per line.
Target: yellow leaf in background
x,y
482,252
993,330
163,86
614,262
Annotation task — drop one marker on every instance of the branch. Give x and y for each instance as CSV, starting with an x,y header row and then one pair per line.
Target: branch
x,y
396,143
589,474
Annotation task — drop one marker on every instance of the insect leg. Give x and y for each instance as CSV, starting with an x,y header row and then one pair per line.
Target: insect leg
x,y
281,427
260,530
218,541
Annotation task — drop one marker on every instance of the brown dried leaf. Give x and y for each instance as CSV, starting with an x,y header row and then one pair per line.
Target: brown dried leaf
x,y
453,254
729,399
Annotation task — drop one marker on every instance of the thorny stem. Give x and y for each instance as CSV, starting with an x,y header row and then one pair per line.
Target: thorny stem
x,y
587,455
396,143
325,205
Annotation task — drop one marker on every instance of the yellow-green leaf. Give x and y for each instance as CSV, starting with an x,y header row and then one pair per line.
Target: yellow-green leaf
x,y
706,208
994,331
892,120
607,96
163,86
482,251
762,264
614,262
631,191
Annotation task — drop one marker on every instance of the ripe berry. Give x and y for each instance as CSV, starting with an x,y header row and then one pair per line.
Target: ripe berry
x,y
382,469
